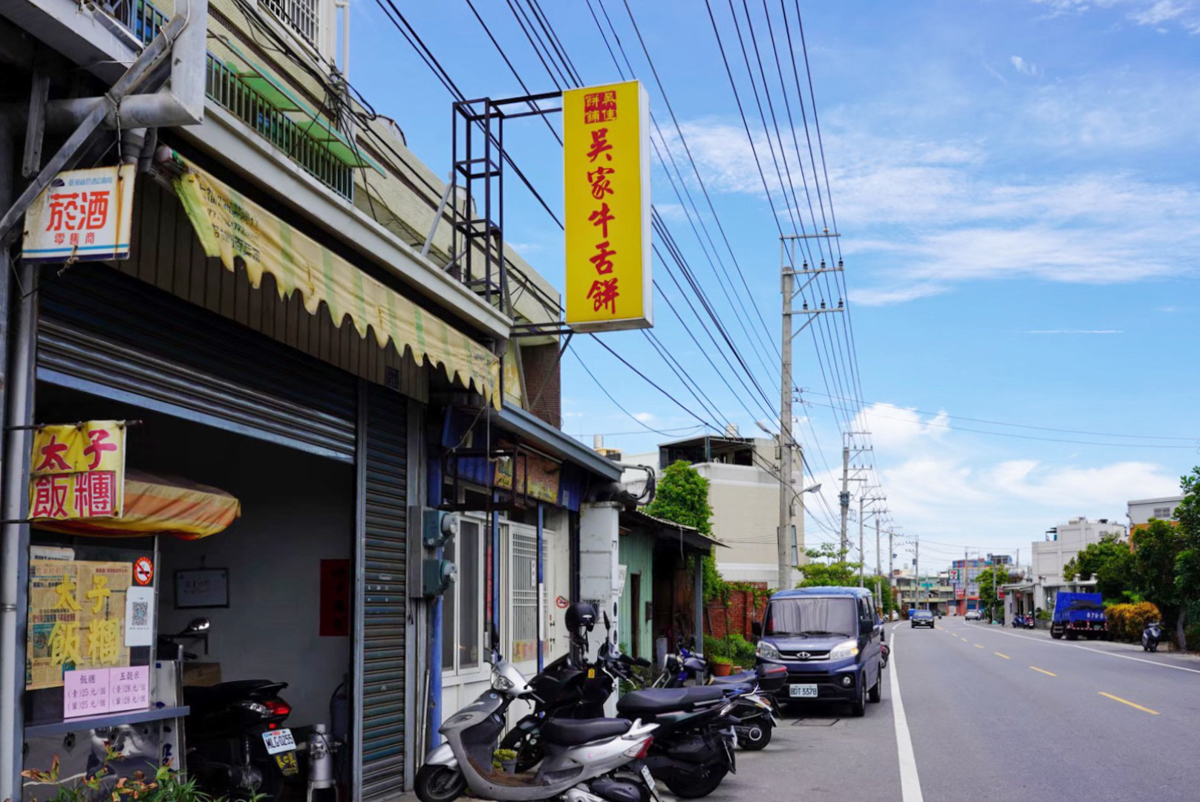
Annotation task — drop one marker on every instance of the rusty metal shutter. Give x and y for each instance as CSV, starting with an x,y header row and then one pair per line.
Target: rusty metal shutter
x,y
111,335
383,601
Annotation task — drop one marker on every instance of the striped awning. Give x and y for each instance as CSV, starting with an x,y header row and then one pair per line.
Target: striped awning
x,y
232,227
159,505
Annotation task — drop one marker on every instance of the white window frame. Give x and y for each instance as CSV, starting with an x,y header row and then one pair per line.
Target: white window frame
x,y
455,674
322,47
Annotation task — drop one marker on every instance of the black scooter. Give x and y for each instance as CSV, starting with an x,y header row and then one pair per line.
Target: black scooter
x,y
236,744
1151,636
693,744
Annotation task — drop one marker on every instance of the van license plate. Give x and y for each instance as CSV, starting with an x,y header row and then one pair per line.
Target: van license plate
x,y
802,691
278,741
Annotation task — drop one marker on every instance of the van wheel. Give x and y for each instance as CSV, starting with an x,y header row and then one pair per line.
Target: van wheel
x,y
876,694
858,707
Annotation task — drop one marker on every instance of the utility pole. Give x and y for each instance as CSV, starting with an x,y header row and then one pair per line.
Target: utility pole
x,y
878,578
789,291
783,536
917,569
844,498
862,555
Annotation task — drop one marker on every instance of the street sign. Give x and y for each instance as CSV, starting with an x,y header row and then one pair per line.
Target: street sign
x,y
927,585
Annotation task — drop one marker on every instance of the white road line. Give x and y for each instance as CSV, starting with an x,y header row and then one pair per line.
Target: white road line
x,y
910,782
1097,651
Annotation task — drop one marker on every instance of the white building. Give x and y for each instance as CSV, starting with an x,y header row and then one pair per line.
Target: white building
x,y
1140,511
744,495
1064,542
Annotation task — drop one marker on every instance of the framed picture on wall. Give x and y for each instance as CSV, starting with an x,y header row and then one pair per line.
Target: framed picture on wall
x,y
201,587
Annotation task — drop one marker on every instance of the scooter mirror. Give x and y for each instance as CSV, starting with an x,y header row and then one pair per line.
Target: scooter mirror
x,y
197,625
607,623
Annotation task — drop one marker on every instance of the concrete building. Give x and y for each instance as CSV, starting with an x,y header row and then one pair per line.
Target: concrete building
x,y
1063,542
744,494
1140,511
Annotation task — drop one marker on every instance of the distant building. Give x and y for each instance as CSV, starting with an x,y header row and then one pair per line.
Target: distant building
x,y
744,494
964,576
1140,511
1065,541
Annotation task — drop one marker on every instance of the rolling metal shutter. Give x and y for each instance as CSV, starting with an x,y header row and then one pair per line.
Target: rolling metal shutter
x,y
383,603
105,333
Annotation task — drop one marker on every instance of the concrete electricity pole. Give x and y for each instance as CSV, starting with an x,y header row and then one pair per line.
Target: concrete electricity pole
x,y
789,291
844,498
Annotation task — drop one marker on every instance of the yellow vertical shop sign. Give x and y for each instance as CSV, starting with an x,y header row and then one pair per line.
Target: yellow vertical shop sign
x,y
606,172
78,471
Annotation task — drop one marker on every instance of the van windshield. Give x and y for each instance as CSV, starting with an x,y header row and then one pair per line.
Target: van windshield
x,y
815,616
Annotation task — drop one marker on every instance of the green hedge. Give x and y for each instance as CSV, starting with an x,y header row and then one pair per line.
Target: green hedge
x,y
1126,621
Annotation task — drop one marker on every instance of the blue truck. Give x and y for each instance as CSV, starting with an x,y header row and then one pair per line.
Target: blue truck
x,y
1078,615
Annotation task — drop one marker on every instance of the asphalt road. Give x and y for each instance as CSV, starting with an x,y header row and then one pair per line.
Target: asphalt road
x,y
994,714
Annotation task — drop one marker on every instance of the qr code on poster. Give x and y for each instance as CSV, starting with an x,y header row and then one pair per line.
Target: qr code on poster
x,y
141,611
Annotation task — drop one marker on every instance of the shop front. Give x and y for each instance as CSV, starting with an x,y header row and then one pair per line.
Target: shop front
x,y
521,489
273,410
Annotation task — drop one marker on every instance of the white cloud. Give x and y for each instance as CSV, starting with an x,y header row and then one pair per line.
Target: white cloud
x,y
644,417
892,426
1022,66
1152,13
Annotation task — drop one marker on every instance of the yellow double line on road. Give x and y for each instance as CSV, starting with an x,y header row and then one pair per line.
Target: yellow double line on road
x,y
1044,671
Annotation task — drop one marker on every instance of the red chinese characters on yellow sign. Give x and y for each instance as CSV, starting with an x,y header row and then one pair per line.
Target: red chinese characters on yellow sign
x,y
607,207
78,471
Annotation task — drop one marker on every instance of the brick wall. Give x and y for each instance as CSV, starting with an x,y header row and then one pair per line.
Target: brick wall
x,y
542,370
735,615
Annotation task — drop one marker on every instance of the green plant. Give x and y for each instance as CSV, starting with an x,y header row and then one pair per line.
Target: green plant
x,y
1043,615
164,786
714,647
741,650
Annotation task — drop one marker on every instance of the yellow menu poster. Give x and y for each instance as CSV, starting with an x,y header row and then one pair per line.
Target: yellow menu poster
x,y
76,618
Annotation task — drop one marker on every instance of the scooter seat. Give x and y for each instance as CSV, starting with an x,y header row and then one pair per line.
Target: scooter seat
x,y
576,731
667,700
742,678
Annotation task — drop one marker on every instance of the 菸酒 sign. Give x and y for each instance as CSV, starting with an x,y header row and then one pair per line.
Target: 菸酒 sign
x,y
84,215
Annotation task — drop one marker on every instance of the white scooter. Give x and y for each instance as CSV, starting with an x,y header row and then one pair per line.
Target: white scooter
x,y
586,760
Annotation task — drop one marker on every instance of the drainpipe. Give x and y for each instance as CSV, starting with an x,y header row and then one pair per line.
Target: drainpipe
x,y
14,536
541,587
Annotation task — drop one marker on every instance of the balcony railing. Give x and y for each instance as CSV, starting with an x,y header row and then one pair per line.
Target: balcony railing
x,y
229,91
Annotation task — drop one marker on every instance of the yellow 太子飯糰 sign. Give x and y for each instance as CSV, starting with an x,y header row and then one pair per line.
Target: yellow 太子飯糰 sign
x,y
78,471
606,176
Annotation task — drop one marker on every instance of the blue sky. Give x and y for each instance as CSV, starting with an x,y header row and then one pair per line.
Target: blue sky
x,y
1018,189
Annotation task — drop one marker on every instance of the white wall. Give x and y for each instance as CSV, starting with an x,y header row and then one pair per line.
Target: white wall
x,y
1050,556
296,510
1141,511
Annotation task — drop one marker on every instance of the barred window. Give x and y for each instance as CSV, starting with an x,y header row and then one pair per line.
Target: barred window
x,y
524,589
302,16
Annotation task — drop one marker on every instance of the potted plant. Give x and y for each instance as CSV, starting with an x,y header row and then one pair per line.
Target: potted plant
x,y
505,760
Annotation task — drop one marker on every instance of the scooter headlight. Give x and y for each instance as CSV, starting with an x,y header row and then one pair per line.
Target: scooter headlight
x,y
843,650
767,651
502,683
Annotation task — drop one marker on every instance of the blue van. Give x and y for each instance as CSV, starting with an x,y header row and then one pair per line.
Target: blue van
x,y
829,640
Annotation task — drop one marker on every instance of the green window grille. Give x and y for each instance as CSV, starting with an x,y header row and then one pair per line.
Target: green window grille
x,y
228,90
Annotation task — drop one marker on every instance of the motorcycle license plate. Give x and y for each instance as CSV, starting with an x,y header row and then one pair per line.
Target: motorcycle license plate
x,y
278,741
287,764
649,778
802,691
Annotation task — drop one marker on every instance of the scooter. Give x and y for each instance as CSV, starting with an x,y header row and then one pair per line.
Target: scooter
x,y
236,744
1151,636
1018,621
583,760
755,706
1030,622
693,745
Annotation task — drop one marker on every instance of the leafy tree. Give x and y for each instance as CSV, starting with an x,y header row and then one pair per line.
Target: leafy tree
x,y
1187,562
826,568
991,580
1111,563
1158,548
682,497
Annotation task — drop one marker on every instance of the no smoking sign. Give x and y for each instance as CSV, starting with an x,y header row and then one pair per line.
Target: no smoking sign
x,y
143,570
